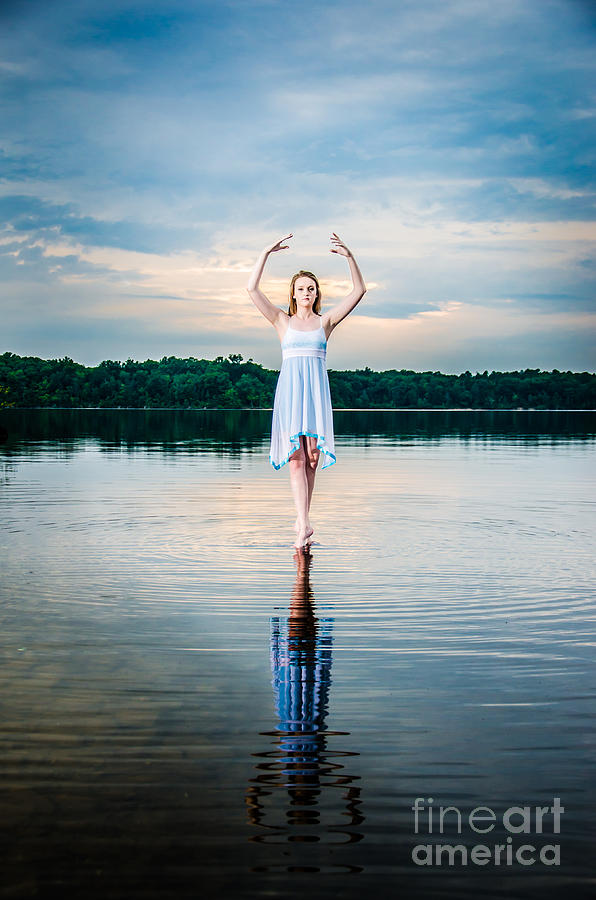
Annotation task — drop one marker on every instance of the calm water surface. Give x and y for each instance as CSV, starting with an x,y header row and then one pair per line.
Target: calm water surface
x,y
190,709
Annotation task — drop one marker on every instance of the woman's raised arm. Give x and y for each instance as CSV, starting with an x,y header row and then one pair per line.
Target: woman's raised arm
x,y
339,312
263,304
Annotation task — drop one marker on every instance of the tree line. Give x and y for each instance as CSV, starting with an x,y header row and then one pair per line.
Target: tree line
x,y
232,383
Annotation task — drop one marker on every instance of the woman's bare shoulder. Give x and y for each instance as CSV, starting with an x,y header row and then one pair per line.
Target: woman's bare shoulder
x,y
282,320
327,324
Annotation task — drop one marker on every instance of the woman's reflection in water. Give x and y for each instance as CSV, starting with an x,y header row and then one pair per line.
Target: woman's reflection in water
x,y
302,793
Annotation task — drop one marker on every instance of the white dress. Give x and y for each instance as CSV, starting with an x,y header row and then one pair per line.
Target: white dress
x,y
302,403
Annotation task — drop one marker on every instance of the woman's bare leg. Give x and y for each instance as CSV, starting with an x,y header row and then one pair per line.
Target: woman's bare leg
x,y
312,461
298,464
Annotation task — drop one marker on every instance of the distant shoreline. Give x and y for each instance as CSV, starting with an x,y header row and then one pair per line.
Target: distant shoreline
x,y
232,383
228,409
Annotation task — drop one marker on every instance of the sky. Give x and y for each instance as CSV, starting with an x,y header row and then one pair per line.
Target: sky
x,y
150,150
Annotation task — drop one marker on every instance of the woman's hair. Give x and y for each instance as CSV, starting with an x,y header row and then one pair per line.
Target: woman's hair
x,y
316,307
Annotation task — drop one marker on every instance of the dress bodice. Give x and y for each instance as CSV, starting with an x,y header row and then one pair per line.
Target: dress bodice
x,y
304,343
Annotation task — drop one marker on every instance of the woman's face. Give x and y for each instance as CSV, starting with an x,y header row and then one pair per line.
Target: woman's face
x,y
305,291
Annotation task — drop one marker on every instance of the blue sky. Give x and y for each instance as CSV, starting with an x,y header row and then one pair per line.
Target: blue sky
x,y
149,151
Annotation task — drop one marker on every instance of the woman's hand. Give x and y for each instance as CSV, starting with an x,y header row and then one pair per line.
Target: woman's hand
x,y
345,306
262,303
279,245
340,247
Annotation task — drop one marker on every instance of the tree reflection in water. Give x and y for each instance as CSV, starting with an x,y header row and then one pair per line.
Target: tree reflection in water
x,y
302,792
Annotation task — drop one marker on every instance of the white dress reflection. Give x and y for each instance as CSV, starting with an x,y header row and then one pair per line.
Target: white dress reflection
x,y
302,792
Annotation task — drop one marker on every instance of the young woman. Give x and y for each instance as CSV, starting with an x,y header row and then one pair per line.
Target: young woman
x,y
302,424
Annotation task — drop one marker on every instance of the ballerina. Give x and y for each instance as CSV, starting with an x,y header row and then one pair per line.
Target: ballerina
x,y
302,422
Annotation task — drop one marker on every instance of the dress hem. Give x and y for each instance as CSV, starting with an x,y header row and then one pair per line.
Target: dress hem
x,y
330,458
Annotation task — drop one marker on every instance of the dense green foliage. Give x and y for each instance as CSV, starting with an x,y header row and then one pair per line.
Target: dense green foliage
x,y
27,381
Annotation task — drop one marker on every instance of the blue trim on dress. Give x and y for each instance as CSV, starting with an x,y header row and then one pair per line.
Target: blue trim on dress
x,y
294,438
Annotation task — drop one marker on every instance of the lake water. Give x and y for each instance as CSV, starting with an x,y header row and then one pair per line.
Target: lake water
x,y
191,709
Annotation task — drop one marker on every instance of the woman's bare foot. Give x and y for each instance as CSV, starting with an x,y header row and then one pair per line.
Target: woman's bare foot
x,y
297,528
303,537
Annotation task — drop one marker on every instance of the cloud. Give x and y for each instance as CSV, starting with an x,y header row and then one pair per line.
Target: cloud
x,y
150,152
495,336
